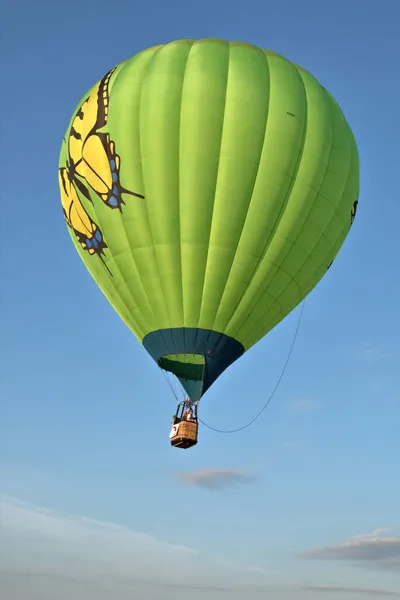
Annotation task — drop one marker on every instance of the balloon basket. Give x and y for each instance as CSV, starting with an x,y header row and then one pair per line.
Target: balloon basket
x,y
186,435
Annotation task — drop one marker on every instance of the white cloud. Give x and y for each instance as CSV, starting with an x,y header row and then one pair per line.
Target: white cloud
x,y
20,517
214,479
36,539
377,548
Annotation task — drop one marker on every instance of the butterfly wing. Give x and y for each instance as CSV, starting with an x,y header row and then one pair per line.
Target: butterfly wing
x,y
103,98
91,116
92,153
102,165
83,123
76,217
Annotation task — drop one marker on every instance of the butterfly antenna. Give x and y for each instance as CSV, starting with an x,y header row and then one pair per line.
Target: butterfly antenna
x,y
125,191
104,264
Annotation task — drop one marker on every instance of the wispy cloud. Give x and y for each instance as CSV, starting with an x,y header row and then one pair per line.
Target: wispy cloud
x,y
377,548
214,478
305,405
336,588
83,536
48,551
370,353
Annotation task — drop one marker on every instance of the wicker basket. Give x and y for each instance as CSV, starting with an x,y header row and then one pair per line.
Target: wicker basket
x,y
186,436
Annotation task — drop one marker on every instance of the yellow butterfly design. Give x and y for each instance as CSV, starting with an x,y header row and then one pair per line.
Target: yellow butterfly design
x,y
92,158
353,212
76,217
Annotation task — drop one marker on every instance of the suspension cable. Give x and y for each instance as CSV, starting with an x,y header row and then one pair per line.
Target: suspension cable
x,y
170,385
273,391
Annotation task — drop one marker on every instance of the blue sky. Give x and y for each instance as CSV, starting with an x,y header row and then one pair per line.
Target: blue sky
x,y
79,394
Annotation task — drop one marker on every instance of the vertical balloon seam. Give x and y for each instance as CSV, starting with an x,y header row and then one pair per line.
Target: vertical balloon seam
x,y
152,58
315,277
179,188
250,202
175,333
197,320
245,292
148,56
198,329
292,279
350,139
281,212
219,248
162,249
309,285
176,53
217,174
215,189
285,207
346,227
182,80
122,225
251,194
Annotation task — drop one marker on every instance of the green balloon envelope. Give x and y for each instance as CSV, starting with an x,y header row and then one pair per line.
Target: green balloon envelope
x,y
207,186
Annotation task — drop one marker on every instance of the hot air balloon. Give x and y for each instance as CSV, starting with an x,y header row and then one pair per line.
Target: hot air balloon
x,y
207,186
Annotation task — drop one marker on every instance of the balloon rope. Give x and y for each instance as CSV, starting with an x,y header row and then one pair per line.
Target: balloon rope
x,y
274,390
171,387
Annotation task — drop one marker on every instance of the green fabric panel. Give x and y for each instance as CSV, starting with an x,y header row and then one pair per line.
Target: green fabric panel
x,y
243,131
316,232
279,159
249,171
202,120
132,242
194,389
190,359
159,126
182,369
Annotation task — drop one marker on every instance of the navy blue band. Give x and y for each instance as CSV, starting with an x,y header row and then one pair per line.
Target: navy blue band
x,y
219,351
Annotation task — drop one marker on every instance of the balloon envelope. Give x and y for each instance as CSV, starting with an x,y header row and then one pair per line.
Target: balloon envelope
x,y
207,186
